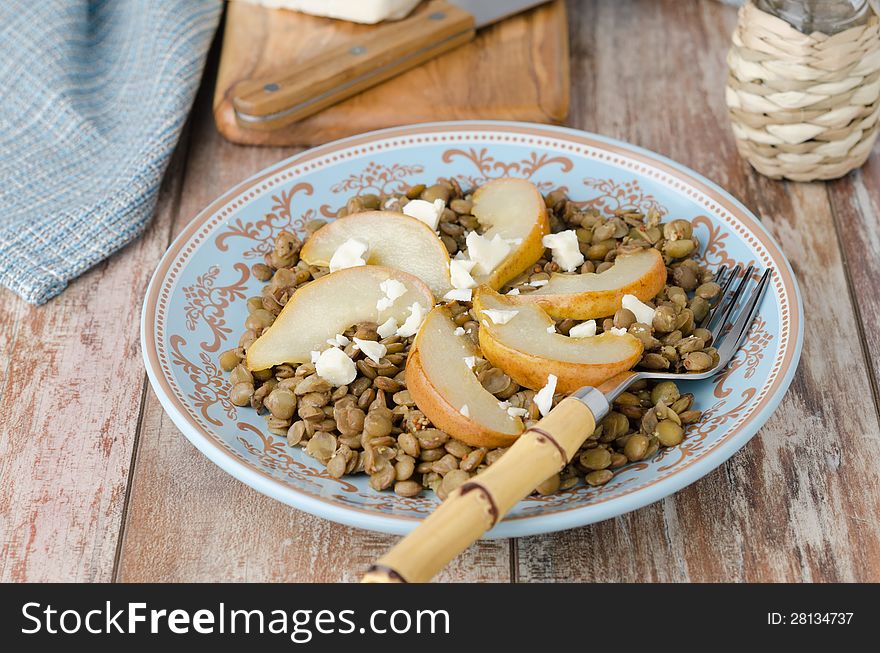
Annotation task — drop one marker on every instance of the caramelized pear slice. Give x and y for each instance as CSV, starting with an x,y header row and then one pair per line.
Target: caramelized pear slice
x,y
330,305
514,210
448,392
587,296
527,352
395,241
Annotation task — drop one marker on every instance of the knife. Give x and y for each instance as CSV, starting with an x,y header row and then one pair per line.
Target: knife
x,y
384,51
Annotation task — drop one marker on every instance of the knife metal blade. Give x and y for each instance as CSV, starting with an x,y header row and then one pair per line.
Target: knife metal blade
x,y
486,12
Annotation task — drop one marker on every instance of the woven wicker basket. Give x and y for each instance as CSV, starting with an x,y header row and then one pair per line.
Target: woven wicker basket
x,y
803,106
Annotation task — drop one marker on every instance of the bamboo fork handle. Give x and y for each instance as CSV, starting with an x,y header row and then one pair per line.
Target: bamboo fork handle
x,y
479,504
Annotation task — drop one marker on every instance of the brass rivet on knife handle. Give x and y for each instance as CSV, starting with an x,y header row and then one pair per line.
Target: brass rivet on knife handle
x,y
466,514
382,52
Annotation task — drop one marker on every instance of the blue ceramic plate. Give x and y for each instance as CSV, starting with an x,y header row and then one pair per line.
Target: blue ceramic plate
x,y
195,307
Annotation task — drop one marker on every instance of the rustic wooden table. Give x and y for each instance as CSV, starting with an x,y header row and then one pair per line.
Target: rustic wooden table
x,y
98,484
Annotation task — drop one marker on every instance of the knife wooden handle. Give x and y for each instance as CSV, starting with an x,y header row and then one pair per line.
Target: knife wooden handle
x,y
384,51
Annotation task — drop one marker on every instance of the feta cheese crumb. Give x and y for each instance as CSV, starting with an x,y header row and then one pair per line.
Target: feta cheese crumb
x,y
583,330
372,349
338,340
513,291
350,254
537,283
335,367
617,332
499,316
459,331
411,325
464,410
393,289
487,254
513,411
425,211
460,273
544,397
387,328
471,361
551,328
315,356
459,294
565,248
643,312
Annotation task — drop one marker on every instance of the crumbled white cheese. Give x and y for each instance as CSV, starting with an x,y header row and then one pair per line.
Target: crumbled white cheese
x,y
583,330
460,273
424,211
537,283
338,340
393,289
387,328
499,316
464,410
459,331
513,291
487,254
315,356
516,242
617,332
513,411
391,201
471,361
412,323
643,312
565,248
335,367
459,294
544,397
551,328
372,349
350,254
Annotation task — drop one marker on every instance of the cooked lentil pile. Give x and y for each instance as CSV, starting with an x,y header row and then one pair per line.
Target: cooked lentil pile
x,y
372,425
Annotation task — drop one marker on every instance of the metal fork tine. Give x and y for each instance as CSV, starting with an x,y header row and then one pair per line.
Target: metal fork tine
x,y
725,285
730,305
743,323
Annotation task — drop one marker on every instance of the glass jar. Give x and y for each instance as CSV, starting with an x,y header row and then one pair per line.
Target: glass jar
x,y
826,16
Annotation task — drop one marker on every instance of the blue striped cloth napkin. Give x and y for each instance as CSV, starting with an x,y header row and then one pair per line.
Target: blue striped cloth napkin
x,y
94,96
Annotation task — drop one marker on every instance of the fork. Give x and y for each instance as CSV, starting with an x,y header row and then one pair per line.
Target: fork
x,y
546,448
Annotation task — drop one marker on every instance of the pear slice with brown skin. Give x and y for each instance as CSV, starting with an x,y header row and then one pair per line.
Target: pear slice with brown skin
x,y
330,305
441,383
587,296
515,210
528,353
395,241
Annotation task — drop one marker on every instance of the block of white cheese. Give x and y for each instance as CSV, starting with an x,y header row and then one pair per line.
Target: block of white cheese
x,y
358,11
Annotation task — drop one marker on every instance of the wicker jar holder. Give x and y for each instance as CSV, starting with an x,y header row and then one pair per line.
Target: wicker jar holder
x,y
803,106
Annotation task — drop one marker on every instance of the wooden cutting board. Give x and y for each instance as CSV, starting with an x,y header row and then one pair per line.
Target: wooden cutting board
x,y
514,70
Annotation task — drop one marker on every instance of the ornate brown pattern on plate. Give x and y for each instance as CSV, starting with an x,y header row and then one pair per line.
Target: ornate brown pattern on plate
x,y
205,301
264,230
211,386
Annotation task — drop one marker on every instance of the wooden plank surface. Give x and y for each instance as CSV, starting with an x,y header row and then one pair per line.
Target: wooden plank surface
x,y
71,390
799,502
99,484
